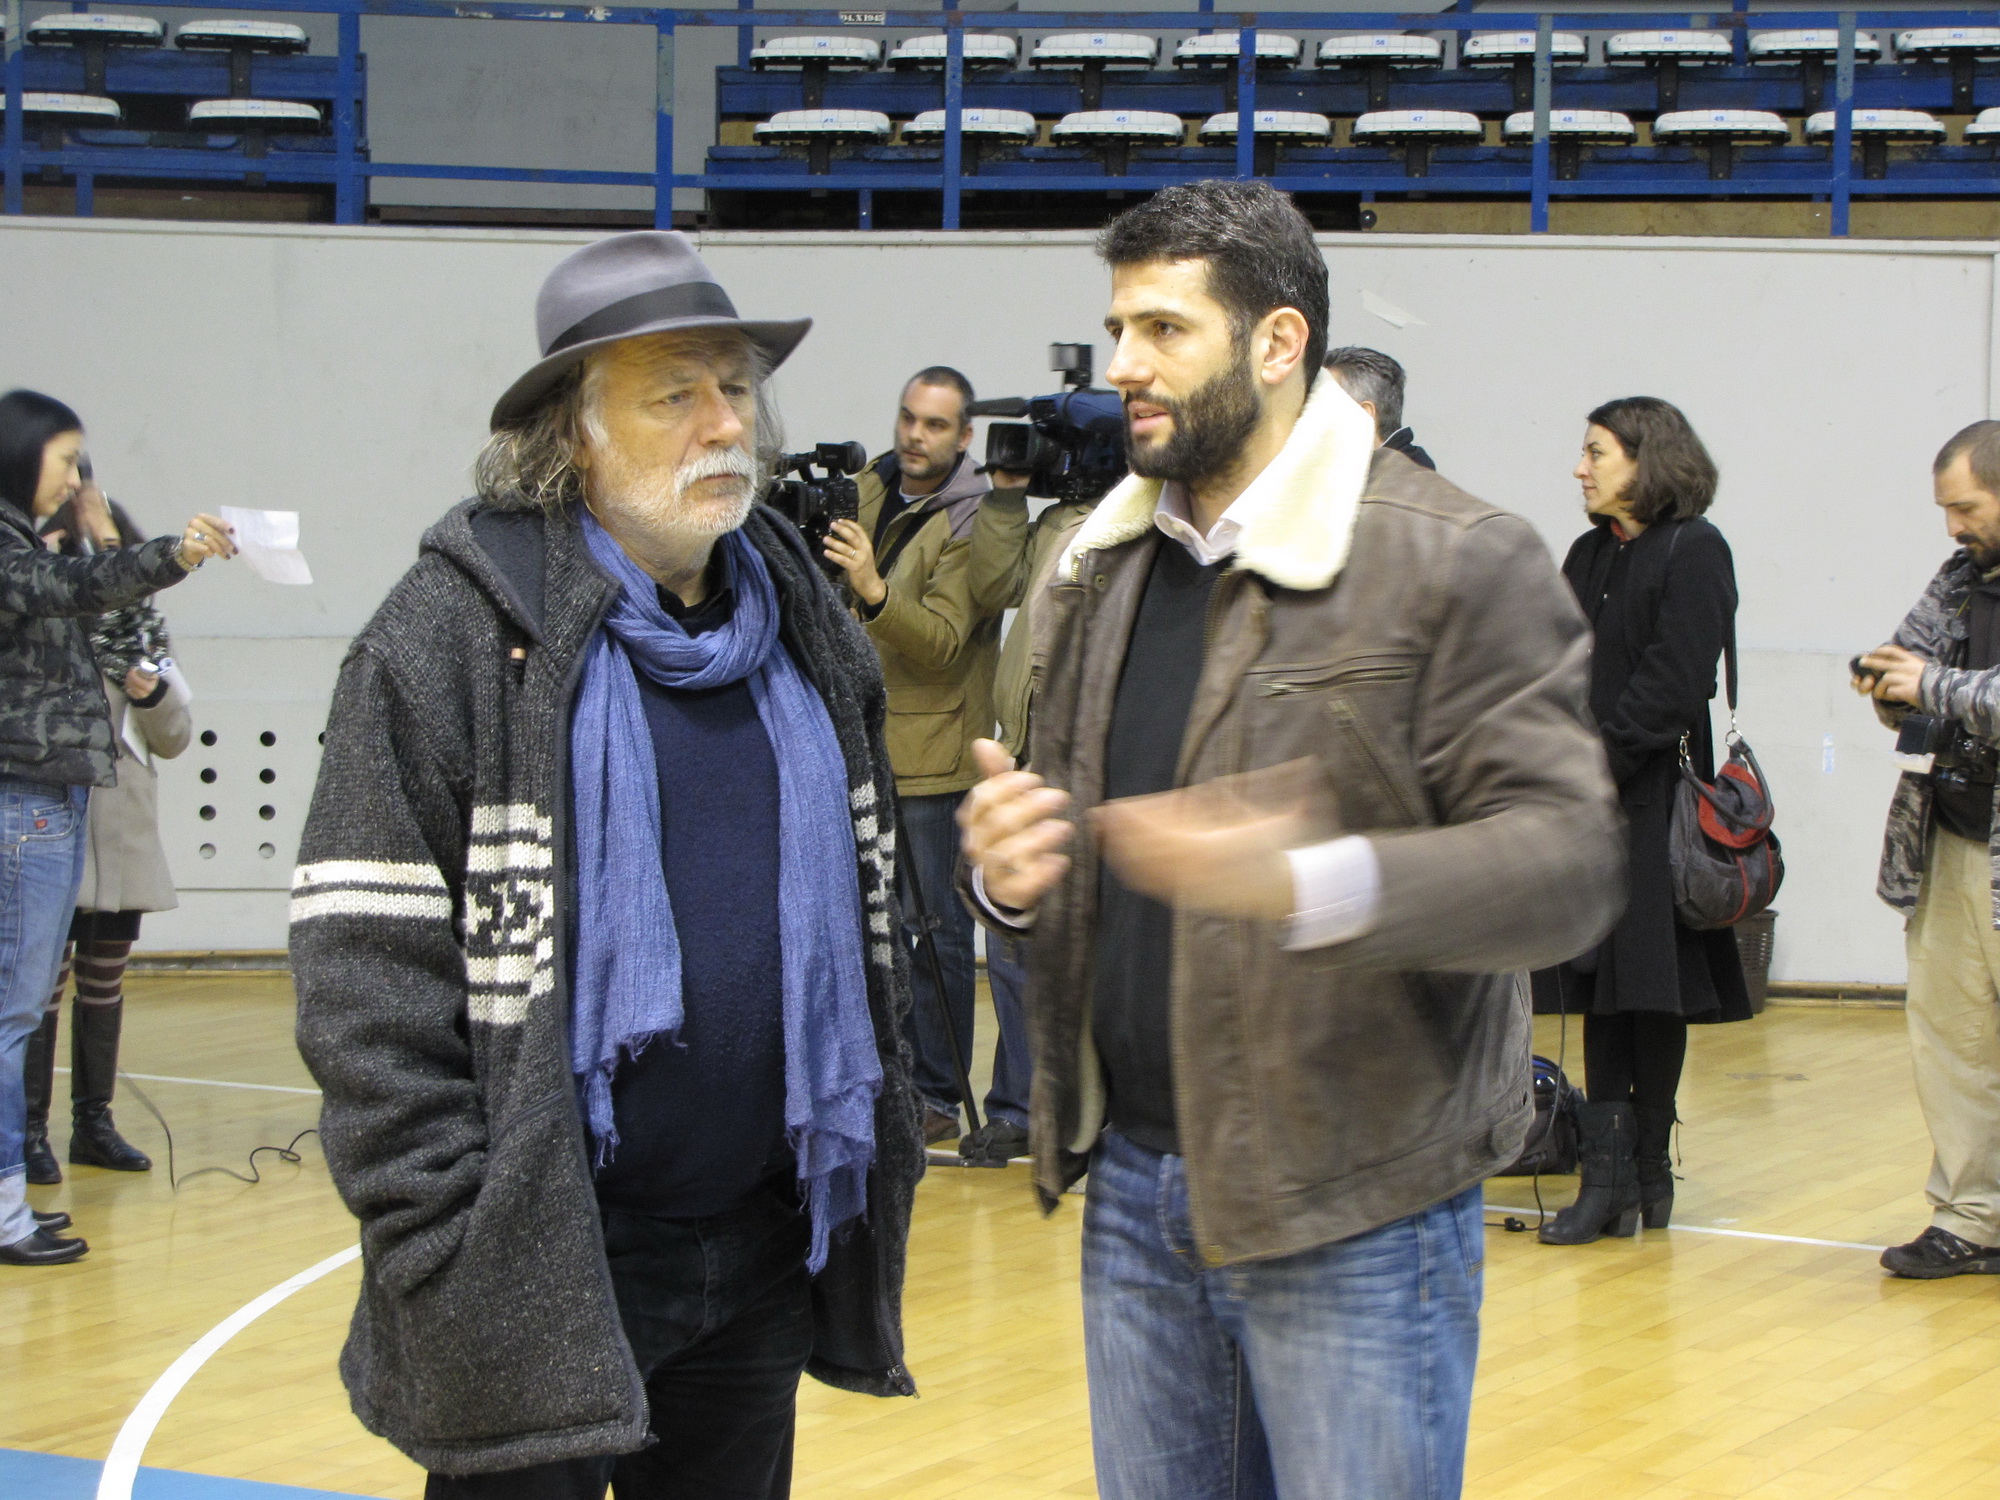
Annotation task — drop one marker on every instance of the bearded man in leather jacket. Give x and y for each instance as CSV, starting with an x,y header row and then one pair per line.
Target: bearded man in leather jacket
x,y
1310,784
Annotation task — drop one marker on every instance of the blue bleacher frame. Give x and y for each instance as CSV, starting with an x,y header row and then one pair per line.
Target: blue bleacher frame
x,y
1496,174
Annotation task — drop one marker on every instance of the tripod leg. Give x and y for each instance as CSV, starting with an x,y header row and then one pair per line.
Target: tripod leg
x,y
927,940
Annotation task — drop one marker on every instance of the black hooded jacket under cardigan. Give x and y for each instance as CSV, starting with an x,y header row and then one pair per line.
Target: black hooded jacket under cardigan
x,y
429,951
1661,608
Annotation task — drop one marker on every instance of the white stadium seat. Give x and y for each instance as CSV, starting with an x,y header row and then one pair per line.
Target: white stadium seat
x,y
997,125
981,51
1224,48
1500,49
275,37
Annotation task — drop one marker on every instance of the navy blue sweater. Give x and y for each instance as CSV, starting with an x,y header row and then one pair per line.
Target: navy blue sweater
x,y
701,1124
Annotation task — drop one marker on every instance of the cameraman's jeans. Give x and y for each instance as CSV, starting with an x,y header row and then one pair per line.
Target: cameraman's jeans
x,y
930,843
1954,1017
1339,1373
1013,1064
41,865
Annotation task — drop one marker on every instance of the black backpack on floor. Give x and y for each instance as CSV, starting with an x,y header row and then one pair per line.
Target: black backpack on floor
x,y
1551,1147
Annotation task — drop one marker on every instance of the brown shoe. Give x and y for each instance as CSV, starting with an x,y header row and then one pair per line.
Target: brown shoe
x,y
939,1126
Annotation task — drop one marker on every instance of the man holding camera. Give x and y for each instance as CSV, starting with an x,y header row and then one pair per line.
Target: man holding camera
x,y
1938,684
905,560
590,935
1310,780
1013,557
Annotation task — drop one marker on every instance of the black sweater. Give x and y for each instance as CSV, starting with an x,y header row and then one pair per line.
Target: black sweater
x,y
1135,935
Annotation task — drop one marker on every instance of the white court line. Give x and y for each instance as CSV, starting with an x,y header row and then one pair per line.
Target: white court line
x,y
1734,1234
122,1466
214,1083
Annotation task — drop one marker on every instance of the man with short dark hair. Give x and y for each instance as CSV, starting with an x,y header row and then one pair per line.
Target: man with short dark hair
x,y
905,561
590,933
1377,381
1941,858
1323,717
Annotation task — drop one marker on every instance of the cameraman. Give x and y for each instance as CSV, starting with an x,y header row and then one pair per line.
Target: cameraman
x,y
1012,559
906,562
1939,683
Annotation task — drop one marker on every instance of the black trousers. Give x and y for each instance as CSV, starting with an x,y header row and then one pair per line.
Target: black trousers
x,y
719,1315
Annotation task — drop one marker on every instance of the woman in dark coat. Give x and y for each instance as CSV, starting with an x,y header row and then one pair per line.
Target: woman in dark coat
x,y
1659,587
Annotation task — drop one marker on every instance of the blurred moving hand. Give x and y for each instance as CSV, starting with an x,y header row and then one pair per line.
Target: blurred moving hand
x,y
1218,847
1014,830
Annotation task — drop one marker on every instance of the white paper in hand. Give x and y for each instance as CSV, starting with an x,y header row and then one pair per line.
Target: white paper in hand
x,y
269,542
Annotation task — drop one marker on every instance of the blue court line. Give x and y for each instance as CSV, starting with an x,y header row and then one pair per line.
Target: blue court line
x,y
53,1476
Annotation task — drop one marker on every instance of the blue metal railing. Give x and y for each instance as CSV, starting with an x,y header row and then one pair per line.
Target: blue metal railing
x,y
347,169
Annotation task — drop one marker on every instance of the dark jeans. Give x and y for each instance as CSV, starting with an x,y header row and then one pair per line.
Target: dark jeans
x,y
1013,1063
930,846
719,1315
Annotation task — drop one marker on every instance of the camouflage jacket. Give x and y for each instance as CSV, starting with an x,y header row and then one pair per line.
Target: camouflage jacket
x,y
1934,630
55,724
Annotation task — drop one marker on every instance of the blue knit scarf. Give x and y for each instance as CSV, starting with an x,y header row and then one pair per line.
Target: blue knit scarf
x,y
627,982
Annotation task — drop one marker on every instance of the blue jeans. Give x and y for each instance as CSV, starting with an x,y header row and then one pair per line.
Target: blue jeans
x,y
1339,1373
930,848
1013,1063
41,865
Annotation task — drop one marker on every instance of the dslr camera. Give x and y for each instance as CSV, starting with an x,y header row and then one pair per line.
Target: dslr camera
x,y
1957,758
1072,446
813,502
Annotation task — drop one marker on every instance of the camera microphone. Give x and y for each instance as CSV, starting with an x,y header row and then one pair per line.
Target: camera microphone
x,y
835,458
1001,406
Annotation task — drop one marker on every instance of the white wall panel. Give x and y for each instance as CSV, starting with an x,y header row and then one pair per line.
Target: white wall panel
x,y
347,374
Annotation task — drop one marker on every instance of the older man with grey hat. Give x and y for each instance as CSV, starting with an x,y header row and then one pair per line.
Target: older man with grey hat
x,y
592,937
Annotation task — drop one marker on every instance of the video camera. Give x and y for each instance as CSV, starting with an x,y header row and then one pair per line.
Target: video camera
x,y
1072,445
813,502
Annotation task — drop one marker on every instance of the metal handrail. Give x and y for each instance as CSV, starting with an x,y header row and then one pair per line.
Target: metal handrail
x,y
348,172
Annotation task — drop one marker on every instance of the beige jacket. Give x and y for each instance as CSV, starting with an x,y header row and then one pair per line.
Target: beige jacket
x,y
1012,561
938,651
124,867
1420,647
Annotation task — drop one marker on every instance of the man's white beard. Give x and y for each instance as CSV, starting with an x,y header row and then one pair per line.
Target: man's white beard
x,y
659,503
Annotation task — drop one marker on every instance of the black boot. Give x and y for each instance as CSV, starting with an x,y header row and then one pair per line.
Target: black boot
x,y
40,1078
1652,1155
95,1141
1608,1201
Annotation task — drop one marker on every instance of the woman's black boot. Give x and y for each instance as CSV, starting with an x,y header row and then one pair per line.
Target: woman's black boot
x,y
95,1141
1652,1154
40,1079
1608,1201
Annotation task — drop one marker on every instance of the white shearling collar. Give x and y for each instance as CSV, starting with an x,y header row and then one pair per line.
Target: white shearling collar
x,y
1297,516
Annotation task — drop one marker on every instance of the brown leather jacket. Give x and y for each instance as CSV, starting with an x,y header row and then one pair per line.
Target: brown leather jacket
x,y
1421,647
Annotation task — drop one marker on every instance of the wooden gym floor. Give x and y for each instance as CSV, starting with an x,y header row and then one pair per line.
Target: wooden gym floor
x,y
1743,1361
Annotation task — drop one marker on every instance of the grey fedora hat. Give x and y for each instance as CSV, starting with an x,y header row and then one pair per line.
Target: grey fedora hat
x,y
650,281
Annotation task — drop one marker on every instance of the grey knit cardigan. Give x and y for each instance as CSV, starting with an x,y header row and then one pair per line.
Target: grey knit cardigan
x,y
429,949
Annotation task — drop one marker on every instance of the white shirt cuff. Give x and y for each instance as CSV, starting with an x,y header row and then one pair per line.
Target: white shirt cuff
x,y
1014,921
1336,889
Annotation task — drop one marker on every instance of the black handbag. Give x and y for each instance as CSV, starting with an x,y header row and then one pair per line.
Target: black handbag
x,y
1551,1147
1727,864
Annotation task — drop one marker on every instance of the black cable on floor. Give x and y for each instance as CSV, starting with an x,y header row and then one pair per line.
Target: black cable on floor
x,y
287,1153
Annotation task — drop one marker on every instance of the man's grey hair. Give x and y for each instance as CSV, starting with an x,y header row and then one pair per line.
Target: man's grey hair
x,y
1371,375
531,464
1981,444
